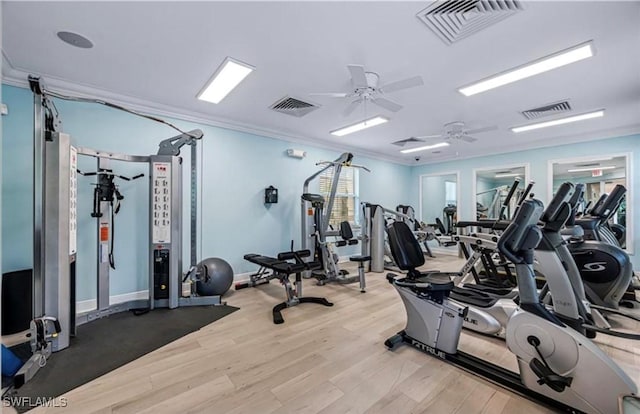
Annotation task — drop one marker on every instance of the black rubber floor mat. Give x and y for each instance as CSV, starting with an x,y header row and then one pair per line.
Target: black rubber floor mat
x,y
106,344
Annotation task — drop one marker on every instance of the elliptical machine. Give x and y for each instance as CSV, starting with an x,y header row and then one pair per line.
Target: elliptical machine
x,y
605,268
556,364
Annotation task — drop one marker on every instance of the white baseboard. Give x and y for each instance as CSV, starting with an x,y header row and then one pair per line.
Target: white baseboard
x,y
92,304
242,277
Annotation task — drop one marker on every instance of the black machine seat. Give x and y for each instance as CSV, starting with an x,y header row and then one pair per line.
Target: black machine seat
x,y
426,284
407,253
359,259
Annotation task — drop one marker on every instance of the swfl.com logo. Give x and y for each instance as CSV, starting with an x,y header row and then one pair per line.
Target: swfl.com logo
x,y
32,402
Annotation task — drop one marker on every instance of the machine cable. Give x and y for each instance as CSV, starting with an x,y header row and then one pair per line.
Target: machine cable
x,y
110,105
106,190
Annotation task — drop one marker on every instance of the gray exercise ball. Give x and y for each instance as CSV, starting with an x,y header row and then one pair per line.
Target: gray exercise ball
x,y
216,277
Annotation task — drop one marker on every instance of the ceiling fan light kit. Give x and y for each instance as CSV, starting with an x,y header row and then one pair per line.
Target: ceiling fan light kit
x,y
547,63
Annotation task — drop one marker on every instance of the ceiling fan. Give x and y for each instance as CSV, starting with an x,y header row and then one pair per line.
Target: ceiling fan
x,y
452,131
366,88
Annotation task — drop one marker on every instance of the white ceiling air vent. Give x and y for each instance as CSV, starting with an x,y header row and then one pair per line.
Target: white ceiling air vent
x,y
453,20
548,109
293,106
404,142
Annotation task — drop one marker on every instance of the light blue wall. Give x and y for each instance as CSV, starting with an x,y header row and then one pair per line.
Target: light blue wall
x,y
236,168
537,160
434,196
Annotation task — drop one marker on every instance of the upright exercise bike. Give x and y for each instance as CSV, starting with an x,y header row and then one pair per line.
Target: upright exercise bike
x,y
556,364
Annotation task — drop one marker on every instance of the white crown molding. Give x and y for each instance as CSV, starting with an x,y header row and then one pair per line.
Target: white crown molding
x,y
18,77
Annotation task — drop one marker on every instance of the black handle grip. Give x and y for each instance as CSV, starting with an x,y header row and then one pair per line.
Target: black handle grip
x,y
526,192
56,326
512,191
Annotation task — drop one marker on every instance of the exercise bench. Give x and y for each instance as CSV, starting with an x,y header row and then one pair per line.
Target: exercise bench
x,y
286,264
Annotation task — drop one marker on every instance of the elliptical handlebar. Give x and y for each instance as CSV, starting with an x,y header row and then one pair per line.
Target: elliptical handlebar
x,y
559,199
526,192
510,194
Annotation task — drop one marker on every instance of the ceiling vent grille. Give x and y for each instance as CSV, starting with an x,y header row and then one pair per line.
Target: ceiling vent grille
x,y
546,110
453,20
404,142
293,106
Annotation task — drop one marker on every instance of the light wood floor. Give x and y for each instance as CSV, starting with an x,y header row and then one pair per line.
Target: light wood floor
x,y
321,360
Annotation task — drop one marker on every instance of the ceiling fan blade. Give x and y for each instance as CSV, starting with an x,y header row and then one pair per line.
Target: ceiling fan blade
x,y
402,84
351,107
467,138
484,129
429,136
358,76
331,94
387,104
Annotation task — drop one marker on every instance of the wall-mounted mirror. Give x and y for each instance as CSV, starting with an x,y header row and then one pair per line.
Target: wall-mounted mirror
x,y
600,174
492,187
439,196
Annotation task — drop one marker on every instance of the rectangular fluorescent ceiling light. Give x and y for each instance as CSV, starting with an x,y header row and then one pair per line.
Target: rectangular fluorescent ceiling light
x,y
367,123
566,120
508,175
426,147
556,60
608,167
228,75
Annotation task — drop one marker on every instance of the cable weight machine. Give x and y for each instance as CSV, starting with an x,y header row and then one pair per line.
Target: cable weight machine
x,y
55,230
315,225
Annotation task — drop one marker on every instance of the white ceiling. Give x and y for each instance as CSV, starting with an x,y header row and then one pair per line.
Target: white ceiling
x,y
159,56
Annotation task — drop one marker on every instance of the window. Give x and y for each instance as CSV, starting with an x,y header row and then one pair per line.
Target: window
x,y
346,200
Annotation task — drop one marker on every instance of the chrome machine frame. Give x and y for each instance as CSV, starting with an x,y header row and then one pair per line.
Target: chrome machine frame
x,y
373,235
330,270
55,222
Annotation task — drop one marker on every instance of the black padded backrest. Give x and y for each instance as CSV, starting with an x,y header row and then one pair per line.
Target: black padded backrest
x,y
555,205
523,233
405,249
345,231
